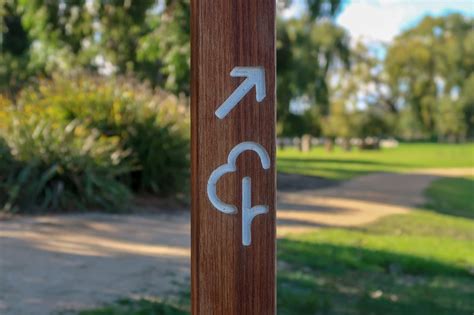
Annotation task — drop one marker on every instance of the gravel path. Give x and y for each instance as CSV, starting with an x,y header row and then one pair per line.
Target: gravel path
x,y
55,263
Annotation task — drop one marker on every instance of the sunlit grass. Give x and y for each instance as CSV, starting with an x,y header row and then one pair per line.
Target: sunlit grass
x,y
340,164
138,307
453,195
419,263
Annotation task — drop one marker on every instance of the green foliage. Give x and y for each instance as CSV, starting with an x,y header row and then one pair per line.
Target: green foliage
x,y
306,50
84,141
370,123
450,120
114,37
424,83
68,30
295,125
363,83
53,166
428,66
163,157
467,102
409,127
422,88
14,53
339,123
343,165
170,52
151,40
151,125
122,23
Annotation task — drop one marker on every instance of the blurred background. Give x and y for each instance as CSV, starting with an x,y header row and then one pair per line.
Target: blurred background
x,y
375,107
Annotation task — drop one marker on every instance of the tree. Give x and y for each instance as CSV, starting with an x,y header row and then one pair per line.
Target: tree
x,y
339,124
147,38
166,49
306,50
14,53
150,39
366,81
450,121
361,103
429,63
80,31
466,101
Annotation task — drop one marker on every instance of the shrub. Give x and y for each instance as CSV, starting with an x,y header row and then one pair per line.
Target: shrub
x,y
117,115
46,165
151,124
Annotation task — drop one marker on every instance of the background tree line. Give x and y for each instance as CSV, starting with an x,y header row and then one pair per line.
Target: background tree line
x,y
420,86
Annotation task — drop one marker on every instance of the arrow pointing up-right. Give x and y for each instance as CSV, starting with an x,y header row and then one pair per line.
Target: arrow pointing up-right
x,y
255,77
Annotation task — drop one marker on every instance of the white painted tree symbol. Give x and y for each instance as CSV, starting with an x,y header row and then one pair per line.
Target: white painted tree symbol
x,y
248,212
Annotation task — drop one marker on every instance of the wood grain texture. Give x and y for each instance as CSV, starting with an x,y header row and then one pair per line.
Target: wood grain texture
x,y
228,278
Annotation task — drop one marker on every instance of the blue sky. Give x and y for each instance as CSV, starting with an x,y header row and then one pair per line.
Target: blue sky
x,y
382,20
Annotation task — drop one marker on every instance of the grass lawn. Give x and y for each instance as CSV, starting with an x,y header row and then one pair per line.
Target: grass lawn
x,y
452,196
343,165
420,263
141,307
413,264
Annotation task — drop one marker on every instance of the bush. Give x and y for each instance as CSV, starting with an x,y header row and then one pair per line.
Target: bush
x,y
47,166
139,138
153,125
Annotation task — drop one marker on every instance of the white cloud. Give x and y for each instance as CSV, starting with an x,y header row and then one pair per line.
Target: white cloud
x,y
372,22
382,20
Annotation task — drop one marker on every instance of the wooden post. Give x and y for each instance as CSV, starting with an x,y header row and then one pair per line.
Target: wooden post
x,y
233,157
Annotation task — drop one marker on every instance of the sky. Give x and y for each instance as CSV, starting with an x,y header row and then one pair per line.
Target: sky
x,y
382,20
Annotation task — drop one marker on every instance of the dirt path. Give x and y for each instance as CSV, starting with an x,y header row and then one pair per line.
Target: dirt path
x,y
357,202
77,261
54,263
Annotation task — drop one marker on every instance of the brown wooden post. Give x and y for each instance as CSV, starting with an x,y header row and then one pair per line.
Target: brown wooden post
x,y
233,157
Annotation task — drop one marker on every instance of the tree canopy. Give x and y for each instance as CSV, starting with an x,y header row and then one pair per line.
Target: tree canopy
x,y
421,84
431,68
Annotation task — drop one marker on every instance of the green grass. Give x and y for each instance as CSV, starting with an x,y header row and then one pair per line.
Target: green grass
x,y
381,269
420,263
452,195
138,307
343,165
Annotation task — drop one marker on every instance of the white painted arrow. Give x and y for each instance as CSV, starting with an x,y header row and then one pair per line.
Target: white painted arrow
x,y
255,77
